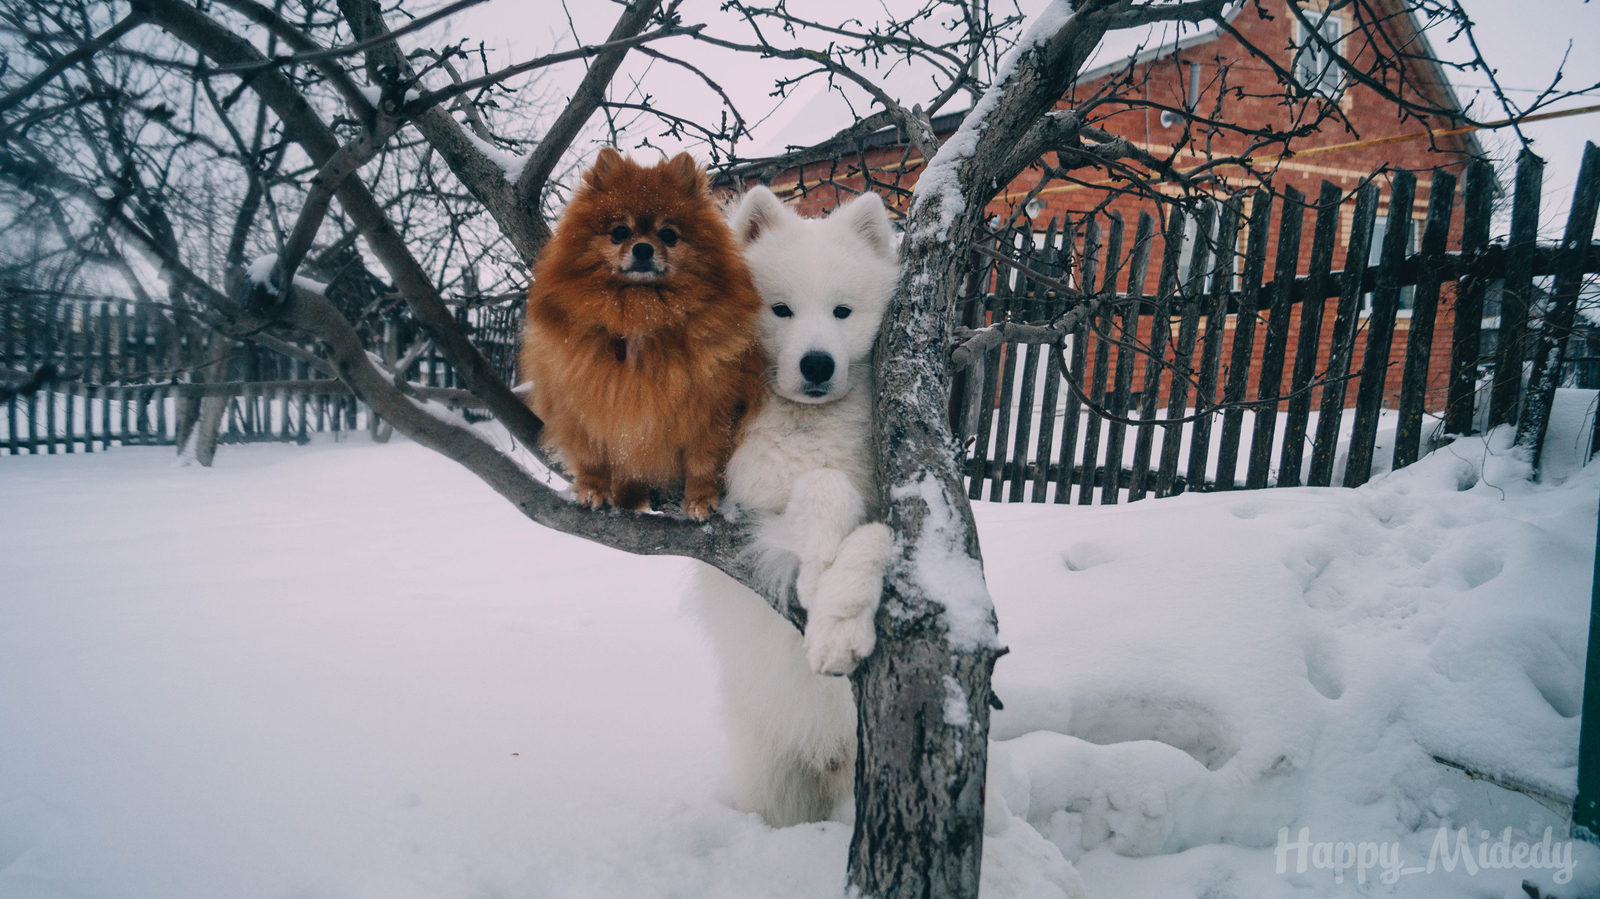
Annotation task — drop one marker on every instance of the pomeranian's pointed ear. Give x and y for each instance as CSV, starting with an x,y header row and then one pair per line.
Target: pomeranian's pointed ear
x,y
758,213
866,217
607,164
687,173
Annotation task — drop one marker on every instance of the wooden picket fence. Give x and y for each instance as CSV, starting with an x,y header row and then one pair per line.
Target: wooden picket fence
x,y
1029,437
120,369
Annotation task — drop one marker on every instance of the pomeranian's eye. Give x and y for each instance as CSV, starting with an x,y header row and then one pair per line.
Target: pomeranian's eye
x,y
668,236
782,311
841,312
621,233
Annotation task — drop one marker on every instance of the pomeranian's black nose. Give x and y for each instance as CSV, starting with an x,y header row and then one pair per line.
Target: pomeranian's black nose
x,y
643,251
816,367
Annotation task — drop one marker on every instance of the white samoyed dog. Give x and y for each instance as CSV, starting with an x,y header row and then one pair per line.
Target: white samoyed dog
x,y
804,476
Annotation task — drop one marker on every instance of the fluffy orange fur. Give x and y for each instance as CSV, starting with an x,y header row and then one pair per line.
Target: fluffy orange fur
x,y
641,337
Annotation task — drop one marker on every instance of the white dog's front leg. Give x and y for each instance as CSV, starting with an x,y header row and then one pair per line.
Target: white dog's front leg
x,y
840,628
824,507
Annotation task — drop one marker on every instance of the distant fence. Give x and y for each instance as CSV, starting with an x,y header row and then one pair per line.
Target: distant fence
x,y
1268,352
112,372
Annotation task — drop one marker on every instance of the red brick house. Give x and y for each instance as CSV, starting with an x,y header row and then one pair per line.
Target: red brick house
x,y
1206,70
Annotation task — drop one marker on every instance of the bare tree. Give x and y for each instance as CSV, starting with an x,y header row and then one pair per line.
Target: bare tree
x,y
319,137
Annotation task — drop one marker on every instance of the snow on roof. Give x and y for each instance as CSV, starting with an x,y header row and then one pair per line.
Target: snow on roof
x,y
1117,48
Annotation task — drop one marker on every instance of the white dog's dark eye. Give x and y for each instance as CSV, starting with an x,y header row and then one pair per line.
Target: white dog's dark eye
x,y
668,236
621,233
782,311
841,312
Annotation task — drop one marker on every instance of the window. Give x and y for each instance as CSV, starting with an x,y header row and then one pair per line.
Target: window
x,y
1408,294
1314,65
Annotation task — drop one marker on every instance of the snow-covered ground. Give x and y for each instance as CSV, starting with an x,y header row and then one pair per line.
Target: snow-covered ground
x,y
350,670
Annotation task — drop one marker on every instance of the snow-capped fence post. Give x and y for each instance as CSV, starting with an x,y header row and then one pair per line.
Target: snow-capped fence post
x,y
1549,346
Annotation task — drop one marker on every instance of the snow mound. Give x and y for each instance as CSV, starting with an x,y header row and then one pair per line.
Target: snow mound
x,y
1200,672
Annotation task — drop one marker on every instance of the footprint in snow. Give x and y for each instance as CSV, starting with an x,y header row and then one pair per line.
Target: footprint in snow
x,y
1084,556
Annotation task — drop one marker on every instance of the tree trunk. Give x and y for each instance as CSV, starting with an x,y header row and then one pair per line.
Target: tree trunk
x,y
200,438
924,694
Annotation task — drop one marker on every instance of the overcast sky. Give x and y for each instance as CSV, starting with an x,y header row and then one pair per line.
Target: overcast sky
x,y
1524,39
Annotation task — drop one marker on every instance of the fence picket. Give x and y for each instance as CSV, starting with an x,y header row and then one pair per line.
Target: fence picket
x,y
1028,301
1516,294
88,377
104,375
1183,350
962,392
1127,343
1244,333
1465,341
984,376
1549,346
1006,303
1052,368
1102,356
1342,348
1275,338
1419,339
1228,218
1309,346
13,312
69,345
124,373
140,364
163,361
1088,261
301,402
1380,331
47,355
30,363
1160,324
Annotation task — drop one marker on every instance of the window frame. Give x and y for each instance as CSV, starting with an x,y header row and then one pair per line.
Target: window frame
x,y
1313,66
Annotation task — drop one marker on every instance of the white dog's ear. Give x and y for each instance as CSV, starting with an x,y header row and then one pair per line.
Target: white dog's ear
x,y
866,217
758,213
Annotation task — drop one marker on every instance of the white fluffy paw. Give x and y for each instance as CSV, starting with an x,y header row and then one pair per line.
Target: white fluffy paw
x,y
840,631
836,645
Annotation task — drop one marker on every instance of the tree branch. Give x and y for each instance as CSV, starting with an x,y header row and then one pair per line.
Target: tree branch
x,y
585,100
84,51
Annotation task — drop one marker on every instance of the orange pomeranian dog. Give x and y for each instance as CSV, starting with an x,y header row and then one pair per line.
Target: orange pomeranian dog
x,y
641,336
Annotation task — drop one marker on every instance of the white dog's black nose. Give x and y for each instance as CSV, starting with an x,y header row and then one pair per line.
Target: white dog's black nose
x,y
816,368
